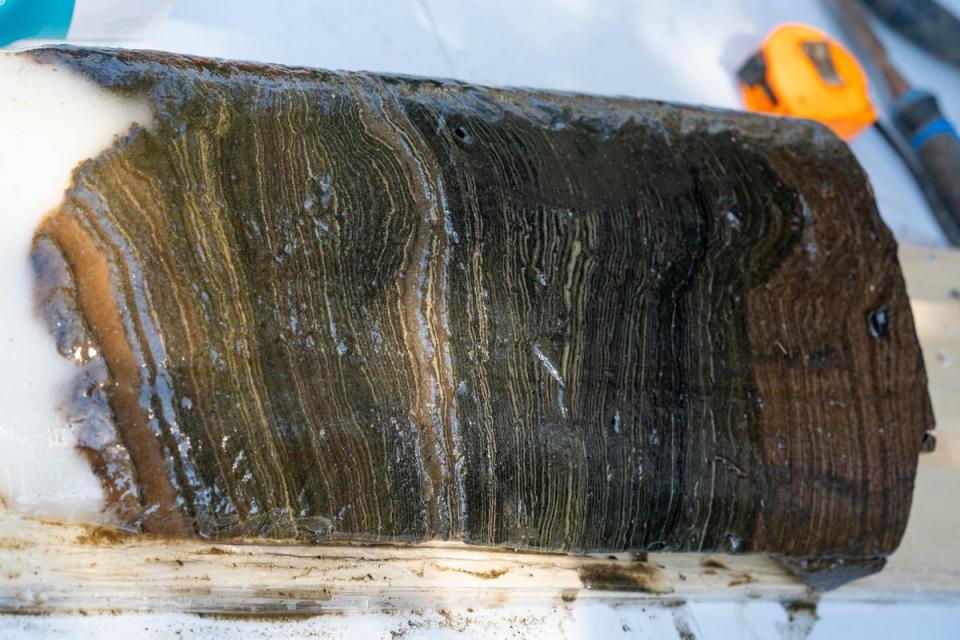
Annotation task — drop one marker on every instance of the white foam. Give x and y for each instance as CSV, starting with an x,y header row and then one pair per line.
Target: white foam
x,y
51,118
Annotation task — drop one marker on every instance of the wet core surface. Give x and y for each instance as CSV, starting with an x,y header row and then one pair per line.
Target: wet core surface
x,y
362,307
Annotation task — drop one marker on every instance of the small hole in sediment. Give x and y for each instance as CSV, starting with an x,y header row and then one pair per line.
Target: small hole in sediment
x,y
878,322
463,134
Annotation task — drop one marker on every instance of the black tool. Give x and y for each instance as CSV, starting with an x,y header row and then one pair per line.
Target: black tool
x,y
932,140
925,23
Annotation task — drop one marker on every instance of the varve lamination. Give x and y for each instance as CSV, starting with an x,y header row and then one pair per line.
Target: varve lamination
x,y
375,308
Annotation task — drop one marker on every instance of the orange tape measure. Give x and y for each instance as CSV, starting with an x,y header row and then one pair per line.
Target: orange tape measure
x,y
802,72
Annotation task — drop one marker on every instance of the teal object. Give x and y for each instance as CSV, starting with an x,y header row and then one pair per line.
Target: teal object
x,y
20,19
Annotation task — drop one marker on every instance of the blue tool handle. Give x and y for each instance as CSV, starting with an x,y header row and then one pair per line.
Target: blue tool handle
x,y
935,142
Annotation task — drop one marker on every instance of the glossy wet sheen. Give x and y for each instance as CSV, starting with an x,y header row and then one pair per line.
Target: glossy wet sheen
x,y
378,308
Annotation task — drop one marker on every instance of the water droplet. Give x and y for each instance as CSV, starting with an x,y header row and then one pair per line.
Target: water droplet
x,y
731,543
734,220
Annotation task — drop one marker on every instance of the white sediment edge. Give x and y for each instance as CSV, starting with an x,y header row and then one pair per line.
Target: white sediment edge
x,y
51,119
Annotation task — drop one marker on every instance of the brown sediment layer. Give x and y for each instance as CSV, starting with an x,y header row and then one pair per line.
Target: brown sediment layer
x,y
99,307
